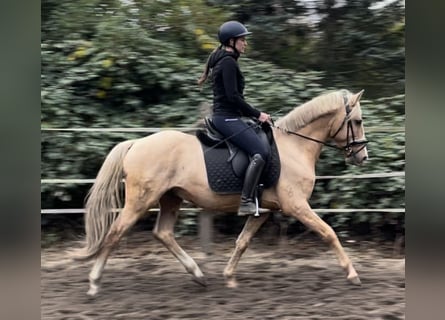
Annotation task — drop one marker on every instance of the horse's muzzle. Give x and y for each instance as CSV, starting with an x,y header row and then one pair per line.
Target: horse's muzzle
x,y
356,159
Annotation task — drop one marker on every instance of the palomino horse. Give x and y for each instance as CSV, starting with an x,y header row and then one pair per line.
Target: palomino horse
x,y
168,167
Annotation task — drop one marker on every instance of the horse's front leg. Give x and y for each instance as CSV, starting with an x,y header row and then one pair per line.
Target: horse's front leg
x,y
300,209
250,228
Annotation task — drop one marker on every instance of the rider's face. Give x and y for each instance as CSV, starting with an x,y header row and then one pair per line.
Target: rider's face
x,y
241,44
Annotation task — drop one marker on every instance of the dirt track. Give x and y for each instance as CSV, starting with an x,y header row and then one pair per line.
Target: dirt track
x,y
298,280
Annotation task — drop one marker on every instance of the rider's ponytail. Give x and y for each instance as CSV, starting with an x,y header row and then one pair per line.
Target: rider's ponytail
x,y
206,71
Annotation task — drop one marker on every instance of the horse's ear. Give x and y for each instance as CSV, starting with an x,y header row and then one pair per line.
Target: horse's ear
x,y
355,98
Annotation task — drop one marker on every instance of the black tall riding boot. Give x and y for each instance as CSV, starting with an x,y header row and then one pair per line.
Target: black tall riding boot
x,y
253,173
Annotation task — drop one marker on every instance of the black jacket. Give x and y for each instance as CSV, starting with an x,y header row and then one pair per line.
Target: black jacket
x,y
228,86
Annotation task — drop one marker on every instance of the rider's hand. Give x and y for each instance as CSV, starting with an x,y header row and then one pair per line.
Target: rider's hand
x,y
264,117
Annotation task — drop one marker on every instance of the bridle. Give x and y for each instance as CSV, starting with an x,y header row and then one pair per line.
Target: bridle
x,y
348,147
350,143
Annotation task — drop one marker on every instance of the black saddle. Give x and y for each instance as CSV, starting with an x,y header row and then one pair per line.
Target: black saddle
x,y
226,164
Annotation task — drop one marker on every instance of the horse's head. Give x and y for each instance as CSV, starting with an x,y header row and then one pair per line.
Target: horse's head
x,y
348,132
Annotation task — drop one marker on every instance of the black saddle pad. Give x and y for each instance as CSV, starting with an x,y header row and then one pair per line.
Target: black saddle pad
x,y
222,178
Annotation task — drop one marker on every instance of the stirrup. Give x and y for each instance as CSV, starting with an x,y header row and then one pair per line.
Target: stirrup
x,y
248,208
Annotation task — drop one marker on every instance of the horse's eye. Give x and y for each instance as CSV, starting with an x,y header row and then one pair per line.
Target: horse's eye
x,y
358,122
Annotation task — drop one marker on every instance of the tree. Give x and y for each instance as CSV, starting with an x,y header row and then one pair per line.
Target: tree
x,y
362,47
355,45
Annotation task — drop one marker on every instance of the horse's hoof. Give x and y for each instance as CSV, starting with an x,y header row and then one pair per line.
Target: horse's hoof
x,y
355,280
93,291
94,288
200,280
231,283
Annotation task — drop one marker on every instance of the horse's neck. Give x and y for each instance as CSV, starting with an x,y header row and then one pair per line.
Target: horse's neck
x,y
318,130
313,120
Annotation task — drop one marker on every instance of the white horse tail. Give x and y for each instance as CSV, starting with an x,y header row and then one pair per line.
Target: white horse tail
x,y
103,201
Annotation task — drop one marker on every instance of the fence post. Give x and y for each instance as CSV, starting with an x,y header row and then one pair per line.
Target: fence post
x,y
206,231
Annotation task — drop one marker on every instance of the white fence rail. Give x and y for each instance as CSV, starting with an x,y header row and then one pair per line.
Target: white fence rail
x,y
346,176
396,210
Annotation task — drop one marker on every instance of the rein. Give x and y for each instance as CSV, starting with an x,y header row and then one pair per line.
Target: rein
x,y
309,138
346,148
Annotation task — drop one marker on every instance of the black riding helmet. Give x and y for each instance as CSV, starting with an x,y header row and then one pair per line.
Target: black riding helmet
x,y
231,29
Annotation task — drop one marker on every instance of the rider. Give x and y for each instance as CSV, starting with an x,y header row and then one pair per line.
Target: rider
x,y
229,107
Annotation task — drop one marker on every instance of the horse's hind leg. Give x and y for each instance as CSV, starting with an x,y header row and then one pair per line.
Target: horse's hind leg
x,y
164,232
126,219
250,228
310,219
